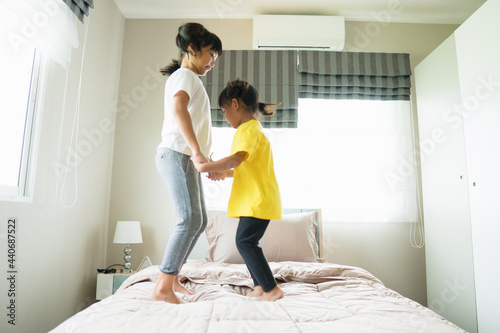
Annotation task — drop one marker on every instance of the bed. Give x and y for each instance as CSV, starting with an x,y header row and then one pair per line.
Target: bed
x,y
319,296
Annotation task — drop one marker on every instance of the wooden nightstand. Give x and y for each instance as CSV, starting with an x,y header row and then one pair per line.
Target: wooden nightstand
x,y
107,284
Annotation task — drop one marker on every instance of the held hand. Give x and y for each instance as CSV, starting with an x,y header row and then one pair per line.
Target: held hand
x,y
216,176
198,160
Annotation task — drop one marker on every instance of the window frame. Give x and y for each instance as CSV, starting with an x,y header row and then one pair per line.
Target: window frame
x,y
24,191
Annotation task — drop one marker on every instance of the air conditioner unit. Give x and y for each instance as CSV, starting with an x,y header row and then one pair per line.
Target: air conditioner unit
x,y
292,32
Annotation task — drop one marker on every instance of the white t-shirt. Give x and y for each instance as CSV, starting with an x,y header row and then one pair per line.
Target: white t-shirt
x,y
198,107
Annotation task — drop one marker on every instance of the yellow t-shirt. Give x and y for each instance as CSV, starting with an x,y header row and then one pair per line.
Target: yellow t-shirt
x,y
255,191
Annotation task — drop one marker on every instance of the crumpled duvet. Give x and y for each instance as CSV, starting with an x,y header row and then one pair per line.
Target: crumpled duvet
x,y
319,297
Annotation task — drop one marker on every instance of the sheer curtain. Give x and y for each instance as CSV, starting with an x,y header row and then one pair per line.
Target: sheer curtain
x,y
48,25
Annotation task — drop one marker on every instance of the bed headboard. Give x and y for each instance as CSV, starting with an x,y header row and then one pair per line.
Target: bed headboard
x,y
200,250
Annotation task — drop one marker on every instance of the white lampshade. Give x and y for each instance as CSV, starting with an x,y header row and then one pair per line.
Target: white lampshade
x,y
128,232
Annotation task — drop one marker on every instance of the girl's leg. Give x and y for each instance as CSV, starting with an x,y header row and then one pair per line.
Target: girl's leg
x,y
204,218
250,231
182,181
199,207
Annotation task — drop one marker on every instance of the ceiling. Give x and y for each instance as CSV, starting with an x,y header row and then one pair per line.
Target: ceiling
x,y
410,11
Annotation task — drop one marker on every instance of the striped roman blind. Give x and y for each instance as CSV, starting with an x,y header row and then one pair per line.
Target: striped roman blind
x,y
352,75
80,7
272,73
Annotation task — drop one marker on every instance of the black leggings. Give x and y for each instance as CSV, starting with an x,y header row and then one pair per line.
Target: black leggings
x,y
250,231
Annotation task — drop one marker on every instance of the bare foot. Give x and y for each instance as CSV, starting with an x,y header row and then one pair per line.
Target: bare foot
x,y
169,297
275,294
181,289
164,291
257,292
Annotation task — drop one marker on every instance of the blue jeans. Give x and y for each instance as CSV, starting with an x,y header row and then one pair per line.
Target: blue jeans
x,y
186,190
250,231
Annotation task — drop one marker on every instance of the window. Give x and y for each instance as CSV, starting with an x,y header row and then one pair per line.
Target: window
x,y
20,73
351,158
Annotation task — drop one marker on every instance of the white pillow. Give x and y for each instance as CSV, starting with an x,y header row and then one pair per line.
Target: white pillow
x,y
290,239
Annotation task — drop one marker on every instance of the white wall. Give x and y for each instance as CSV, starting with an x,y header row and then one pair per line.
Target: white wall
x,y
60,248
138,192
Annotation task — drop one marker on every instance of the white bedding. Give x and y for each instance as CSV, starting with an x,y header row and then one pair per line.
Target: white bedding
x,y
319,297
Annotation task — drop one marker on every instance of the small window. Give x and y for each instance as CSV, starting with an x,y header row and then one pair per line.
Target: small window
x,y
20,74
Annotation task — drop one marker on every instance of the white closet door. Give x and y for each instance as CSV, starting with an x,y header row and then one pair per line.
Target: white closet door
x,y
448,245
478,52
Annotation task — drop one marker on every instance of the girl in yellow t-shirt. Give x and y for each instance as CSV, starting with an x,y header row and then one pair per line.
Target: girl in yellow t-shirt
x,y
255,197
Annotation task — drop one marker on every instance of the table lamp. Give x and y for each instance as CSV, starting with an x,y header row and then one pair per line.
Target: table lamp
x,y
127,232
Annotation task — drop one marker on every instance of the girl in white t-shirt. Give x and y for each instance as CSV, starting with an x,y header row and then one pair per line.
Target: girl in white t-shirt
x,y
186,138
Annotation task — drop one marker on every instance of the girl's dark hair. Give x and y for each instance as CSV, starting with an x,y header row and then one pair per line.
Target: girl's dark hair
x,y
198,37
246,93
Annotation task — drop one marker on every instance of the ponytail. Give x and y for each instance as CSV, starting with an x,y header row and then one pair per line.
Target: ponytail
x,y
265,109
196,36
248,95
169,69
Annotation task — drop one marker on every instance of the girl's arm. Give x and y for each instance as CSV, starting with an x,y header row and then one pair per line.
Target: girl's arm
x,y
181,114
220,175
223,165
